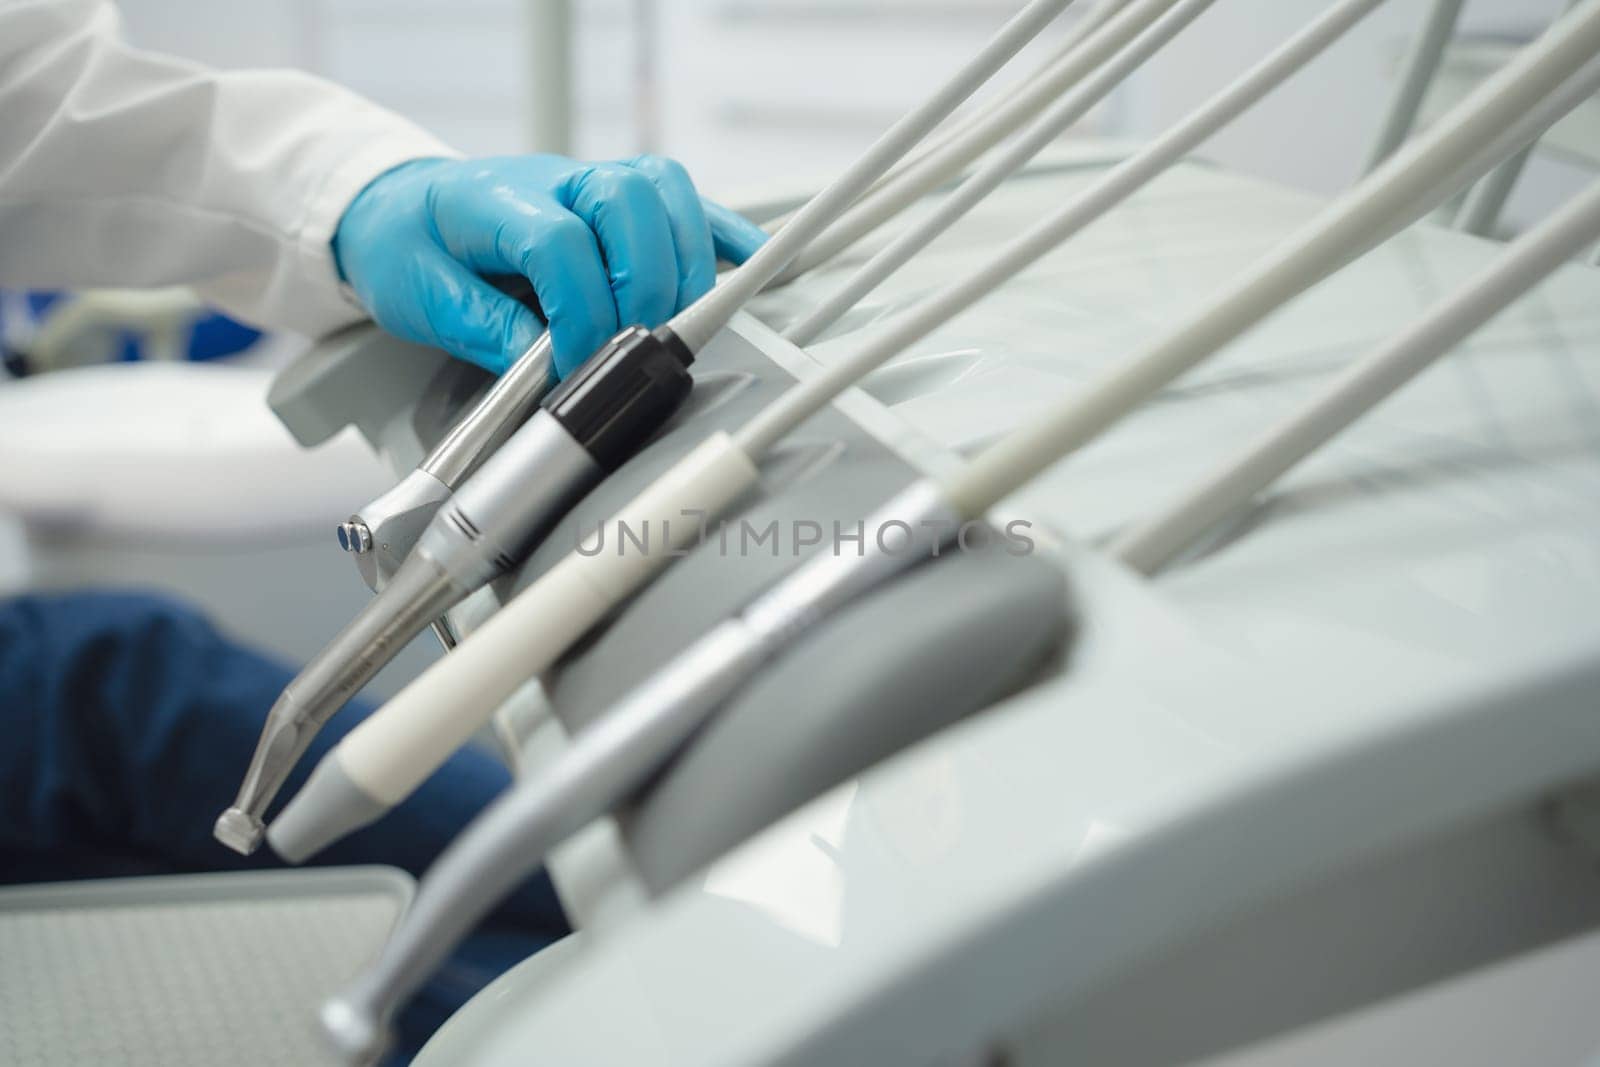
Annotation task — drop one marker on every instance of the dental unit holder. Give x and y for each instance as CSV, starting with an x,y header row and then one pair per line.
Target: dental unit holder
x,y
383,759
650,723
388,755
457,552
929,674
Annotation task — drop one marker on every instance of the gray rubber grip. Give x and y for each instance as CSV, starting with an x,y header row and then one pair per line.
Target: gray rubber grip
x,y
831,469
934,646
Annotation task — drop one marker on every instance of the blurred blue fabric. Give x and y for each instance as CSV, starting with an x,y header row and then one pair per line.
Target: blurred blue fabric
x,y
125,723
212,336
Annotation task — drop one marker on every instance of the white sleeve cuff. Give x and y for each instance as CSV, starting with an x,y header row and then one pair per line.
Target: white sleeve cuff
x,y
338,305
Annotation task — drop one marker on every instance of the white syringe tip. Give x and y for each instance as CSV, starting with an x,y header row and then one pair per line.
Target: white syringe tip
x,y
354,1031
239,830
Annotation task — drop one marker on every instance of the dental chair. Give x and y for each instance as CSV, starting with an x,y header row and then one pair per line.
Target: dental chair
x,y
175,475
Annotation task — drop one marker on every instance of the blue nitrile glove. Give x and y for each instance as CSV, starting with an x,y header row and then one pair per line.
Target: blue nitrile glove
x,y
605,245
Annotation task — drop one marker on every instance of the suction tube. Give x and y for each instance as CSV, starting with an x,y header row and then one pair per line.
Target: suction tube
x,y
1527,262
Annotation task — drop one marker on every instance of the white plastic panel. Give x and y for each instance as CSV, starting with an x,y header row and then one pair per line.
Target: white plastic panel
x,y
1403,636
1536,1010
186,970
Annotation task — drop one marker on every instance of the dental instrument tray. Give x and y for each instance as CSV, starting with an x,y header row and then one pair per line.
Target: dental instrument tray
x,y
140,971
829,710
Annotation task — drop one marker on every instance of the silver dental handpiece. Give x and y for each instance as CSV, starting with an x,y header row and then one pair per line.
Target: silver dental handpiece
x,y
384,759
587,428
294,720
382,533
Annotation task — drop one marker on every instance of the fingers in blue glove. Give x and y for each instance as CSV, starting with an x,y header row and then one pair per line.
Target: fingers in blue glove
x,y
691,230
625,209
456,310
603,245
492,225
387,250
736,238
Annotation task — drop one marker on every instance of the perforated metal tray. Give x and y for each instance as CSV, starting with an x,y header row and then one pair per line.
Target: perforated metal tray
x,y
203,969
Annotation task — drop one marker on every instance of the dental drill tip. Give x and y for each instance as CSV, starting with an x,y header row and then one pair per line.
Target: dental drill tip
x,y
239,830
328,807
241,827
354,1031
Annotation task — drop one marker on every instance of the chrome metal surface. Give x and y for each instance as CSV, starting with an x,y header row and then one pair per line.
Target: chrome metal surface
x,y
441,630
416,595
390,525
354,536
507,405
513,500
393,522
479,532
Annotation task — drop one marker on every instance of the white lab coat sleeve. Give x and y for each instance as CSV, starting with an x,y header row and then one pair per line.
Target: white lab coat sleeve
x,y
128,169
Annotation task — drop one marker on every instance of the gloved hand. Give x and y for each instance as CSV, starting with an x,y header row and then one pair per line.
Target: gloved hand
x,y
605,245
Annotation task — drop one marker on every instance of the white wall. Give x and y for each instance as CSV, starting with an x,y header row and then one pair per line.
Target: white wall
x,y
752,91
1314,132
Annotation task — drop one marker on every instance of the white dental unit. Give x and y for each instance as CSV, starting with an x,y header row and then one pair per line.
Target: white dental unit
x,y
1337,755
1324,788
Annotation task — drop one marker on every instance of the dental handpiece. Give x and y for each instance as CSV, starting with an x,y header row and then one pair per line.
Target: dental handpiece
x,y
610,761
385,758
382,534
367,644
588,427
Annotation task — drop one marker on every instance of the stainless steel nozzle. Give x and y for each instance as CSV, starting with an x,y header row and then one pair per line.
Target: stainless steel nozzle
x,y
417,594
